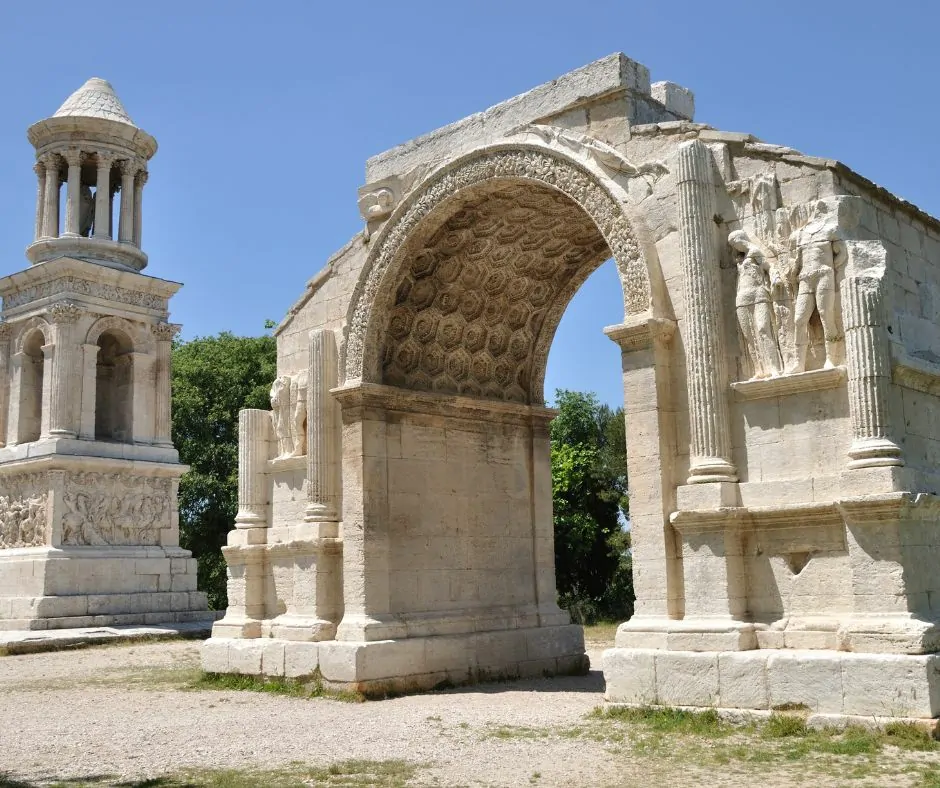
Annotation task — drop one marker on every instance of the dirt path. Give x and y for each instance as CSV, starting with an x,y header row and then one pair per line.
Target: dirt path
x,y
125,712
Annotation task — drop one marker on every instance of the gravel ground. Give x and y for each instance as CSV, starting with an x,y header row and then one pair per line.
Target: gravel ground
x,y
125,712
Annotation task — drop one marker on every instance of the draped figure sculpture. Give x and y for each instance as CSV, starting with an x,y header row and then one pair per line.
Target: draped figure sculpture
x,y
754,305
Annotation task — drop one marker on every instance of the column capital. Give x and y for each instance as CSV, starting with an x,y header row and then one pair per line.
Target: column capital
x,y
105,160
39,168
73,157
165,332
65,312
142,176
5,332
51,161
129,167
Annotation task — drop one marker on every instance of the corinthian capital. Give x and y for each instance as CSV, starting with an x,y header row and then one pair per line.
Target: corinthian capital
x,y
50,161
164,332
64,312
73,157
142,176
105,161
5,332
129,166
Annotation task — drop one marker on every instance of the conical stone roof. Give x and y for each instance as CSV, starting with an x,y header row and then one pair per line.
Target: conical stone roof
x,y
95,99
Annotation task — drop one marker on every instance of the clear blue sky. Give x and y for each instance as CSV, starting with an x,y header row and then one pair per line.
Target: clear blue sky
x,y
266,112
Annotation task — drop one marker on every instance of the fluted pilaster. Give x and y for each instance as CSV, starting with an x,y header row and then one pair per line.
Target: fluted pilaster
x,y
869,373
323,431
710,447
62,316
254,435
4,380
163,334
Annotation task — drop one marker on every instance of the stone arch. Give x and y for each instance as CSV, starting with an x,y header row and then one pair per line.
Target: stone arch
x,y
141,342
31,325
599,202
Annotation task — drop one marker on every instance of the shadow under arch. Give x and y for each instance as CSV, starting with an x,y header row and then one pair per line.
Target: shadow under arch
x,y
600,200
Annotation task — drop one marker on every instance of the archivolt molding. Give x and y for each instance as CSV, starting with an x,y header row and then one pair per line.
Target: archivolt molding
x,y
142,340
27,328
533,163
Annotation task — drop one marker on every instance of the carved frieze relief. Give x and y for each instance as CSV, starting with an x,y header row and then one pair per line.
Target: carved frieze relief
x,y
72,284
23,511
789,262
115,509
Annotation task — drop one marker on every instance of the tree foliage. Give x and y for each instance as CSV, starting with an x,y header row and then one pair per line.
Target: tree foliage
x,y
214,378
591,504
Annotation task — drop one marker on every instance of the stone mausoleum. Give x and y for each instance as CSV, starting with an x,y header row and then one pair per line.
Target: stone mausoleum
x,y
88,474
781,370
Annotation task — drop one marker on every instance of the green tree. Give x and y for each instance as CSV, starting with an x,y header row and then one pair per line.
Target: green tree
x,y
214,378
591,504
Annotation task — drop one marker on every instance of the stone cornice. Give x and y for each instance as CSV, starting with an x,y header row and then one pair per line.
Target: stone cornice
x,y
814,380
917,374
639,332
381,397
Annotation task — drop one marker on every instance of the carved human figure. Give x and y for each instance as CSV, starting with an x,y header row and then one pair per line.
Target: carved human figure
x,y
86,211
818,252
754,305
281,415
298,412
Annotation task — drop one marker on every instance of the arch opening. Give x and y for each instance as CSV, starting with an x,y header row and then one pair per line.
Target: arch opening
x,y
32,364
480,294
114,387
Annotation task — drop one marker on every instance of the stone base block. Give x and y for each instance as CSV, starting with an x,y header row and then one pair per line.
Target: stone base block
x,y
406,665
78,587
828,683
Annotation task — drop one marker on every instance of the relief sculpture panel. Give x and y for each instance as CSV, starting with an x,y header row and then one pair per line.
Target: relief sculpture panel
x,y
789,261
23,511
115,509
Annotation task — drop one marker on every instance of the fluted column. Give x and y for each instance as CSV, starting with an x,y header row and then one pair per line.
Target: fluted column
x,y
73,206
706,367
126,225
50,212
323,432
254,450
163,333
139,182
62,316
869,374
4,380
103,198
40,171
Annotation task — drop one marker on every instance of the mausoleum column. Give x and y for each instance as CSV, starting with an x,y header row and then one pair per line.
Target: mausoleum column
x,y
4,380
254,451
323,435
163,334
40,171
126,226
73,207
869,374
103,198
706,367
63,317
139,182
50,212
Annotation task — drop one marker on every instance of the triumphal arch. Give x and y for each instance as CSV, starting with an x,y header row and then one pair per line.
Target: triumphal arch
x,y
781,371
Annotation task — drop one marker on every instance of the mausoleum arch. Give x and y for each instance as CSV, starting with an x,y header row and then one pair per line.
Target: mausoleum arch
x,y
537,171
140,341
28,329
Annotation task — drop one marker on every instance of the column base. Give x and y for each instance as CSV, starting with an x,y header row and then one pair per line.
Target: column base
x,y
835,684
874,453
378,668
688,634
